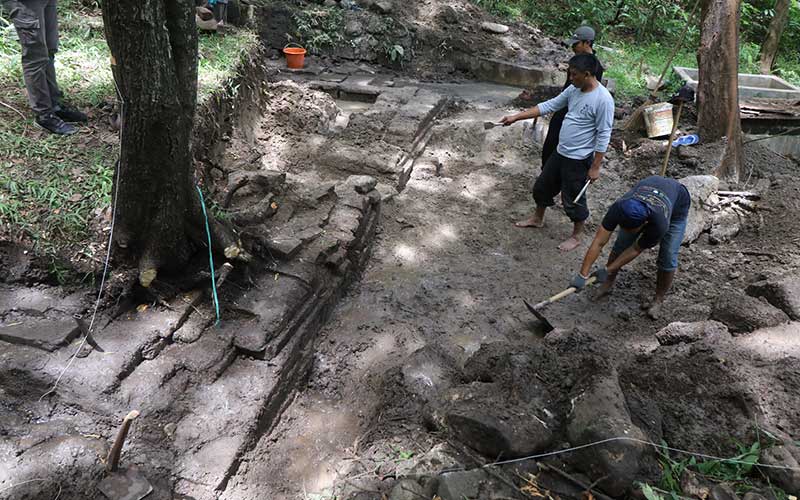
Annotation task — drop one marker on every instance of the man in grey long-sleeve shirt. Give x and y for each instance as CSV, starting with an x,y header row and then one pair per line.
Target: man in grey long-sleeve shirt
x,y
582,144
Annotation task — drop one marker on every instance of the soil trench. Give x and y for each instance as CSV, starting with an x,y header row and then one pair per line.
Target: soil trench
x,y
429,365
448,275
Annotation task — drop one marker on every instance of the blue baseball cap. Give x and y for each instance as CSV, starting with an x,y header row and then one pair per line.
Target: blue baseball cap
x,y
634,213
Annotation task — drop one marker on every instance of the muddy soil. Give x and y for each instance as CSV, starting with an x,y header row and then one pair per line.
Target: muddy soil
x,y
447,279
434,332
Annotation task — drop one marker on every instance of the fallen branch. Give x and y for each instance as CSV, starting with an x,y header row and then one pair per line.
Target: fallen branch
x,y
744,194
232,191
586,487
481,463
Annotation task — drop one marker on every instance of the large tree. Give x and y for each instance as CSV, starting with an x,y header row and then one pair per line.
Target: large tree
x,y
154,52
770,47
718,82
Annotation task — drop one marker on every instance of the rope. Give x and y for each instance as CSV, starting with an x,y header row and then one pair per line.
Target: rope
x,y
118,175
641,441
210,256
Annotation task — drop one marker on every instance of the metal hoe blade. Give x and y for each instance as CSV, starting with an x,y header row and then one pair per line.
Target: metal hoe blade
x,y
129,484
546,325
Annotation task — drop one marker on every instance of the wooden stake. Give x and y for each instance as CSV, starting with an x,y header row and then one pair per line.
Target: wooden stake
x,y
671,138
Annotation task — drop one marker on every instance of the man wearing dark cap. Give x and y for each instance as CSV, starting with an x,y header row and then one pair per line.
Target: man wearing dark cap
x,y
654,212
581,42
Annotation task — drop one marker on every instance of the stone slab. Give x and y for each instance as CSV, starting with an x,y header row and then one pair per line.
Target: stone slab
x,y
269,307
37,300
497,71
42,334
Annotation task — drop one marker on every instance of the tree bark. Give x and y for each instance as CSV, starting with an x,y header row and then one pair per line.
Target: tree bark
x,y
770,47
718,82
158,215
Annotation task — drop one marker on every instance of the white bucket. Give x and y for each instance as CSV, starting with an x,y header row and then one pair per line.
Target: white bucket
x,y
658,119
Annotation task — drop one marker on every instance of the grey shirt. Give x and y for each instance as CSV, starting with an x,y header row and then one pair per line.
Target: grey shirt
x,y
587,126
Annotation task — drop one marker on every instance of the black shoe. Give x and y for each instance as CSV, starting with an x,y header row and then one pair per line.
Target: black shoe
x,y
70,115
54,124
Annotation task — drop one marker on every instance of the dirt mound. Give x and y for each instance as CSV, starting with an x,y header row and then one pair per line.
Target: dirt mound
x,y
430,40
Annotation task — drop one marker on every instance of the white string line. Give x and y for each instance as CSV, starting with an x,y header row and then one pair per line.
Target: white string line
x,y
118,172
25,482
641,441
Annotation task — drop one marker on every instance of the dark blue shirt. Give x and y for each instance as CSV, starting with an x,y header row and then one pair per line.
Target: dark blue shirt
x,y
666,200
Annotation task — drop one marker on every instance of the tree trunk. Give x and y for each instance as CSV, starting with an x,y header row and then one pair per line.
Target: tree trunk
x,y
154,49
770,48
718,85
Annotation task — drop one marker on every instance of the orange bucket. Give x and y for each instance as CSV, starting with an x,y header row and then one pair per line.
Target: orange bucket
x,y
295,56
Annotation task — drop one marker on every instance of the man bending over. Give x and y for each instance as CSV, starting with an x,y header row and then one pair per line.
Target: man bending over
x,y
654,212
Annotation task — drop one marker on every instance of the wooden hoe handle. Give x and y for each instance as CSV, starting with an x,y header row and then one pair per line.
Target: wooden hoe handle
x,y
569,291
112,462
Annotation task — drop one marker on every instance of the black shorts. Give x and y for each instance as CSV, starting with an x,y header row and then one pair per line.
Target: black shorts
x,y
567,176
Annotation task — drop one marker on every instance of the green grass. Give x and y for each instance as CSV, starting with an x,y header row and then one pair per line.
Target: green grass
x,y
740,472
52,187
628,62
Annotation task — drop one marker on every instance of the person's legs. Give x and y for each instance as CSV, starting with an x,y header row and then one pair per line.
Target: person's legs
x,y
573,178
667,264
28,19
545,189
50,18
553,131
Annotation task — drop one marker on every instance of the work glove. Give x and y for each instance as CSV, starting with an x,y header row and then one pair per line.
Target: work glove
x,y
601,274
578,282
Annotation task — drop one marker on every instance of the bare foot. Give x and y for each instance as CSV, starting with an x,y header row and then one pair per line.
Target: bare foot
x,y
654,311
569,245
532,221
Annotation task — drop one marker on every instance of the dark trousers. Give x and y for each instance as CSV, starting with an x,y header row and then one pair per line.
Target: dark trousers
x,y
37,27
567,176
553,131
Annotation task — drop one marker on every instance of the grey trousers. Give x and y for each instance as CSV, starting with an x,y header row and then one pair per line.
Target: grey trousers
x,y
37,26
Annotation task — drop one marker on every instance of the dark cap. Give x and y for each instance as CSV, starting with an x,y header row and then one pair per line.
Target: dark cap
x,y
582,34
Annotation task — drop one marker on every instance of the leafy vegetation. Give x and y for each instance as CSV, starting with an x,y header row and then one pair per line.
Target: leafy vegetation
x,y
319,27
738,471
643,33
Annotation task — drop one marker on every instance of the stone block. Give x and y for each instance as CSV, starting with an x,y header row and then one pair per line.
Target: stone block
x,y
284,247
484,417
42,334
495,28
600,413
255,213
703,190
362,184
407,489
724,226
265,312
782,293
36,301
475,483
265,179
743,313
378,158
782,456
678,332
